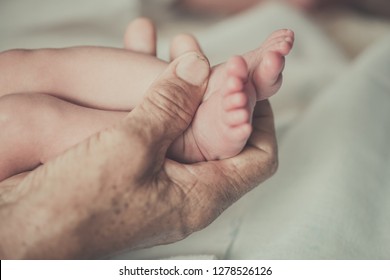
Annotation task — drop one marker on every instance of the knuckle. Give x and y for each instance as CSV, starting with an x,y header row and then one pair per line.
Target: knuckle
x,y
174,100
267,167
271,161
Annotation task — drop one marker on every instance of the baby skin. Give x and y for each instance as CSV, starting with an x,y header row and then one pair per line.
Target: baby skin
x,y
68,104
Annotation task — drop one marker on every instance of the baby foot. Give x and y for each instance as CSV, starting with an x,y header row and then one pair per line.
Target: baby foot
x,y
222,123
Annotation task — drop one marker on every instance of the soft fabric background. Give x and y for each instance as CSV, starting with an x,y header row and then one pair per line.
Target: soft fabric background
x,y
330,198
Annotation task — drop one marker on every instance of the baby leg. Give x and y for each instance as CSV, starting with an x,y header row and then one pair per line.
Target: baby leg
x,y
37,127
104,78
101,78
95,77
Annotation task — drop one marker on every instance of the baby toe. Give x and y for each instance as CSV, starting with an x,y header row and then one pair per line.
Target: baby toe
x,y
236,66
235,101
237,117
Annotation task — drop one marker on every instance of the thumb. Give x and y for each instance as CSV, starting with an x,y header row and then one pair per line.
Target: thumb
x,y
170,103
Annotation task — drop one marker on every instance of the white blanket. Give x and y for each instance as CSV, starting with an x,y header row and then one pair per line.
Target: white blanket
x,y
331,196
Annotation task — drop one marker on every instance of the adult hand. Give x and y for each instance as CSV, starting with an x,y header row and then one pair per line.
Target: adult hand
x,y
117,190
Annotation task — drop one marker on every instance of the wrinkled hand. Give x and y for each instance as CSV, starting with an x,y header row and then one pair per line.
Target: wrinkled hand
x,y
117,190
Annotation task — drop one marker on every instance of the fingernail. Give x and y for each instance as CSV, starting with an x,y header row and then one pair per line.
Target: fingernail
x,y
193,68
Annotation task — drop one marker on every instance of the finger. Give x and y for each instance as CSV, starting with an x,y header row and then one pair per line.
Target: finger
x,y
259,159
169,104
183,43
140,36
